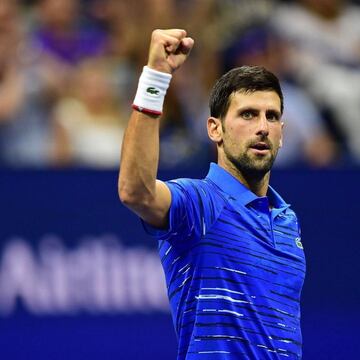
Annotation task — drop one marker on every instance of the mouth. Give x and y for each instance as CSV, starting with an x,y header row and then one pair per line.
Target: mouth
x,y
260,148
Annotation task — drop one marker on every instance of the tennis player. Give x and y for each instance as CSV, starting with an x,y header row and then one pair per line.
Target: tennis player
x,y
229,244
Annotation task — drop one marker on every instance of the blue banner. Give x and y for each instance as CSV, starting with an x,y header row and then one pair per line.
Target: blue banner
x,y
79,279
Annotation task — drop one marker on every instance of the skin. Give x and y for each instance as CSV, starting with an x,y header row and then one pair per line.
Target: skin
x,y
250,120
138,188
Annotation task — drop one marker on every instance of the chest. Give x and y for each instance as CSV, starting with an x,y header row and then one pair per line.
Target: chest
x,y
262,229
255,245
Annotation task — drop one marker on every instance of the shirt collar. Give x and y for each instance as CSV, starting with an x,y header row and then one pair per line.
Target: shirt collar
x,y
235,189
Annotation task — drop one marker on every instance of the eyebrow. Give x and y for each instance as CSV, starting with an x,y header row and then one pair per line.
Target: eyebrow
x,y
252,109
274,112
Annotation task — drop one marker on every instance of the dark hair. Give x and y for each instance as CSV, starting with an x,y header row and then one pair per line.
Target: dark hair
x,y
243,79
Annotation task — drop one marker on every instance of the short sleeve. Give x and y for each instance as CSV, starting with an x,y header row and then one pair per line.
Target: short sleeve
x,y
185,213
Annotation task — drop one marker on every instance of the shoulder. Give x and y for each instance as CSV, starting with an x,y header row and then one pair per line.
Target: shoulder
x,y
291,214
199,189
201,199
290,220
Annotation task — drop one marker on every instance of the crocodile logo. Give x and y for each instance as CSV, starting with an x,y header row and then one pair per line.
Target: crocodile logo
x,y
299,243
153,91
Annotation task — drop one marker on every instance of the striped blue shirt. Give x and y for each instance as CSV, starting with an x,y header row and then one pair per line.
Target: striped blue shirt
x,y
234,267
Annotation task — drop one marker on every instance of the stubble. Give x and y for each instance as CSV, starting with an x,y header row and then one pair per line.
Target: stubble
x,y
250,164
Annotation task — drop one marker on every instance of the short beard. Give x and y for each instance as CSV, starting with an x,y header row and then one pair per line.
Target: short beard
x,y
249,167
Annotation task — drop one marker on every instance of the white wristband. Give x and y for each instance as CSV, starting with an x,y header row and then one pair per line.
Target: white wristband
x,y
151,91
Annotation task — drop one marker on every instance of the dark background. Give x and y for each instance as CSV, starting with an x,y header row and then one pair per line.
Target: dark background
x,y
74,203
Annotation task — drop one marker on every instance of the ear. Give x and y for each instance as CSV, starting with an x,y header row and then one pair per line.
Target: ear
x,y
215,129
281,137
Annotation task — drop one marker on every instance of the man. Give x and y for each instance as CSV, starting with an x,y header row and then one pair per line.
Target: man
x,y
229,244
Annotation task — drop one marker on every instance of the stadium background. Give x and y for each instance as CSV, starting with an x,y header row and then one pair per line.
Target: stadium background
x,y
79,279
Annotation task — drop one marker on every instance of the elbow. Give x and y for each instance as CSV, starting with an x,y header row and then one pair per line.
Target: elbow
x,y
133,198
126,197
123,196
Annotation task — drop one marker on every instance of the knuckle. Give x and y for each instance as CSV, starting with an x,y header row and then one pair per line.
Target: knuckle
x,y
157,33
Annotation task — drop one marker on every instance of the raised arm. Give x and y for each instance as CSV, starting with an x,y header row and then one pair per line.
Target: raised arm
x,y
138,188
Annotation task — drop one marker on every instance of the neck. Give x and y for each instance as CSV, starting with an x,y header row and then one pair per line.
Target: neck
x,y
255,181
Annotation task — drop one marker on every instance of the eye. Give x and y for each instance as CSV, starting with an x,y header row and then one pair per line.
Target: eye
x,y
247,115
272,116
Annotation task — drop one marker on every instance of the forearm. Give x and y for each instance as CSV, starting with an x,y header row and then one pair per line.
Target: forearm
x,y
139,159
138,187
140,153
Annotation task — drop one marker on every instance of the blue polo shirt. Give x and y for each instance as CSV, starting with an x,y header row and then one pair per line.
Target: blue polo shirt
x,y
234,267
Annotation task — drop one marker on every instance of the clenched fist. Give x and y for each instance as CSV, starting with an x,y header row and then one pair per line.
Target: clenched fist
x,y
169,49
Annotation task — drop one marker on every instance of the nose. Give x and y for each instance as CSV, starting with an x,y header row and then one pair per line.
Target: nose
x,y
263,126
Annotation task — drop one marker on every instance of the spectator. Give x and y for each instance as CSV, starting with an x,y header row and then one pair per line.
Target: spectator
x,y
36,69
325,57
88,124
62,32
28,86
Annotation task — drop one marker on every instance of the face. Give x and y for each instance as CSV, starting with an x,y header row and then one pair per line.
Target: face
x,y
59,13
250,135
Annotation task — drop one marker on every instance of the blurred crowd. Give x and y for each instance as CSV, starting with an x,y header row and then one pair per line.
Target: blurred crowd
x,y
69,72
